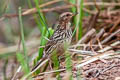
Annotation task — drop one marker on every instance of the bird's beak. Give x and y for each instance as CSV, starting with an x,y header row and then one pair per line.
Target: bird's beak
x,y
75,14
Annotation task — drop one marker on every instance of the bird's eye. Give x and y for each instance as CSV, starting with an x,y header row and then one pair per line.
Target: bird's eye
x,y
68,15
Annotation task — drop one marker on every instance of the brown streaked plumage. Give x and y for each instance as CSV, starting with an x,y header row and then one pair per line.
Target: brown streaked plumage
x,y
63,34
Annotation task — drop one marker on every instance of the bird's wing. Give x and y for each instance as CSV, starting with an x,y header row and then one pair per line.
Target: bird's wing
x,y
49,48
58,34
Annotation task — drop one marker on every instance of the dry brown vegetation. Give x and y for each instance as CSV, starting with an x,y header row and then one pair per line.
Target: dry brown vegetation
x,y
96,56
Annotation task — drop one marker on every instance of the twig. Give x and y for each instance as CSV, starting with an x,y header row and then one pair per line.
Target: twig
x,y
115,25
57,8
100,72
92,48
81,51
109,47
12,49
60,70
98,35
2,18
94,58
97,3
87,36
114,11
101,3
25,77
33,10
117,78
109,37
89,11
93,20
77,45
98,9
18,70
99,43
84,9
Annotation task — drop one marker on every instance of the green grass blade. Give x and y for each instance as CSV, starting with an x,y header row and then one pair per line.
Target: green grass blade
x,y
78,18
55,60
22,61
42,18
43,42
68,62
29,3
37,20
73,8
43,28
22,38
80,21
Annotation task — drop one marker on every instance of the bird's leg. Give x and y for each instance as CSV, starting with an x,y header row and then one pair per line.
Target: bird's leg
x,y
50,62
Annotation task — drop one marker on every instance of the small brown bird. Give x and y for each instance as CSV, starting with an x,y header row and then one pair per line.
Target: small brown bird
x,y
62,34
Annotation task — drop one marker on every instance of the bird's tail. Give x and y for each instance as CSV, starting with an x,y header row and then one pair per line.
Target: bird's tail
x,y
39,64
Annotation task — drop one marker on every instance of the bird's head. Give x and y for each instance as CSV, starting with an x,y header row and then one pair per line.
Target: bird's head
x,y
66,17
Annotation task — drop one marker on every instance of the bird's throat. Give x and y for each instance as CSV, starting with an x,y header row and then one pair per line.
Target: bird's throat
x,y
65,25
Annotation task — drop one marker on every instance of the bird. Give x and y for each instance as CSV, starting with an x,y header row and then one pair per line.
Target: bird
x,y
62,35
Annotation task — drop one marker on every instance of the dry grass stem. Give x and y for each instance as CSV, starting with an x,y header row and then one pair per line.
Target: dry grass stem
x,y
87,36
109,47
94,58
109,37
14,48
34,10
